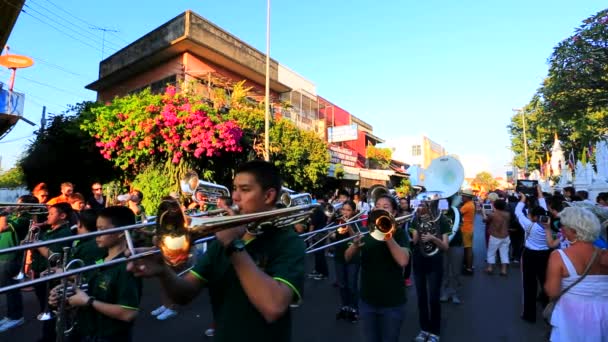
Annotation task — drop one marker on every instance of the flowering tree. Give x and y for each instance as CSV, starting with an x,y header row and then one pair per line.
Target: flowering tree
x,y
135,130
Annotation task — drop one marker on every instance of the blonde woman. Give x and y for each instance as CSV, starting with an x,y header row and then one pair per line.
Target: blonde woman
x,y
581,313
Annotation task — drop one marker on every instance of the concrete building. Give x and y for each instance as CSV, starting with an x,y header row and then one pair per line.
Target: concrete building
x,y
190,48
415,150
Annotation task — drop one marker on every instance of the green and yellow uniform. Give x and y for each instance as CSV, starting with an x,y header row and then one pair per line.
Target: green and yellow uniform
x,y
112,285
280,253
382,281
40,263
87,251
18,227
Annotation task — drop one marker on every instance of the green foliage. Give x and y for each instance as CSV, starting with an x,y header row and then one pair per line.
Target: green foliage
x,y
404,187
12,178
153,182
578,71
301,156
379,157
573,99
484,181
62,153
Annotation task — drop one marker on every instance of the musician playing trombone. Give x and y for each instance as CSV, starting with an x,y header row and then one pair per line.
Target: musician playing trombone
x,y
255,277
383,293
109,307
13,230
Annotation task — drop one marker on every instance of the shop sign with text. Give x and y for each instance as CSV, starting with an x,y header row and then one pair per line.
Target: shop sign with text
x,y
344,156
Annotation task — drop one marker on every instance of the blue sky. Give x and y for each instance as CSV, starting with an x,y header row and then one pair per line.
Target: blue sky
x,y
450,70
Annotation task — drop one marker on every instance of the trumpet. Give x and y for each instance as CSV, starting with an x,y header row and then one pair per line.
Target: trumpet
x,y
65,317
27,208
53,260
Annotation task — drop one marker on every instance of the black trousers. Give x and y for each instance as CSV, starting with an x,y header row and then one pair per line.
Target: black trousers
x,y
321,263
517,240
534,272
428,273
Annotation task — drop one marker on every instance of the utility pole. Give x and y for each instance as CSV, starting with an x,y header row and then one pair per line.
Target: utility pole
x,y
267,90
523,122
103,39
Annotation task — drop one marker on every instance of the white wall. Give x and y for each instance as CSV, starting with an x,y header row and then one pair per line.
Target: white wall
x,y
402,149
11,195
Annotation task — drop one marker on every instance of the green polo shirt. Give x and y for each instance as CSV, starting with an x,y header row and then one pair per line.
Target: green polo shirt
x,y
40,263
382,281
18,227
87,251
112,285
340,249
280,253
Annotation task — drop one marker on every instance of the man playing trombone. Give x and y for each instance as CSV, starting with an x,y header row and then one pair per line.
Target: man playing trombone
x,y
254,278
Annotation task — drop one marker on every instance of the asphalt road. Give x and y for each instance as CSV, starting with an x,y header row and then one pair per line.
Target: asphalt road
x,y
489,312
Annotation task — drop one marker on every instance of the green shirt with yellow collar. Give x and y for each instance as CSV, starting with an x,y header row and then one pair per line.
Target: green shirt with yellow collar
x,y
40,263
280,253
112,285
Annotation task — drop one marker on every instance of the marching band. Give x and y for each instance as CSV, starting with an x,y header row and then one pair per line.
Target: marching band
x,y
253,263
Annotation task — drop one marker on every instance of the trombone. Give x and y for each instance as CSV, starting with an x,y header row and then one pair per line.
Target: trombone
x,y
332,228
174,240
382,224
28,208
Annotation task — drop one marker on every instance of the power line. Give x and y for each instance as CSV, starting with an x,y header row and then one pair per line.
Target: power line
x,y
49,86
67,34
60,24
58,67
88,24
16,139
81,30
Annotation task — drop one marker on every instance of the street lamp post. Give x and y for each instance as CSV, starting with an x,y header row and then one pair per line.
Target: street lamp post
x,y
267,90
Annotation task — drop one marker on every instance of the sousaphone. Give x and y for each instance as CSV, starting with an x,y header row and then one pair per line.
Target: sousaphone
x,y
442,179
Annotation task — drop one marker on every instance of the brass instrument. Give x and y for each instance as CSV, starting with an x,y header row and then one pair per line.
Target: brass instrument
x,y
174,240
330,229
26,208
382,224
191,185
376,192
290,200
66,317
60,322
53,260
444,178
31,237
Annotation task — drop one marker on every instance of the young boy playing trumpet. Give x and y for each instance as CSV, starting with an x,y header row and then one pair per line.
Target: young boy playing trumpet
x,y
108,309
